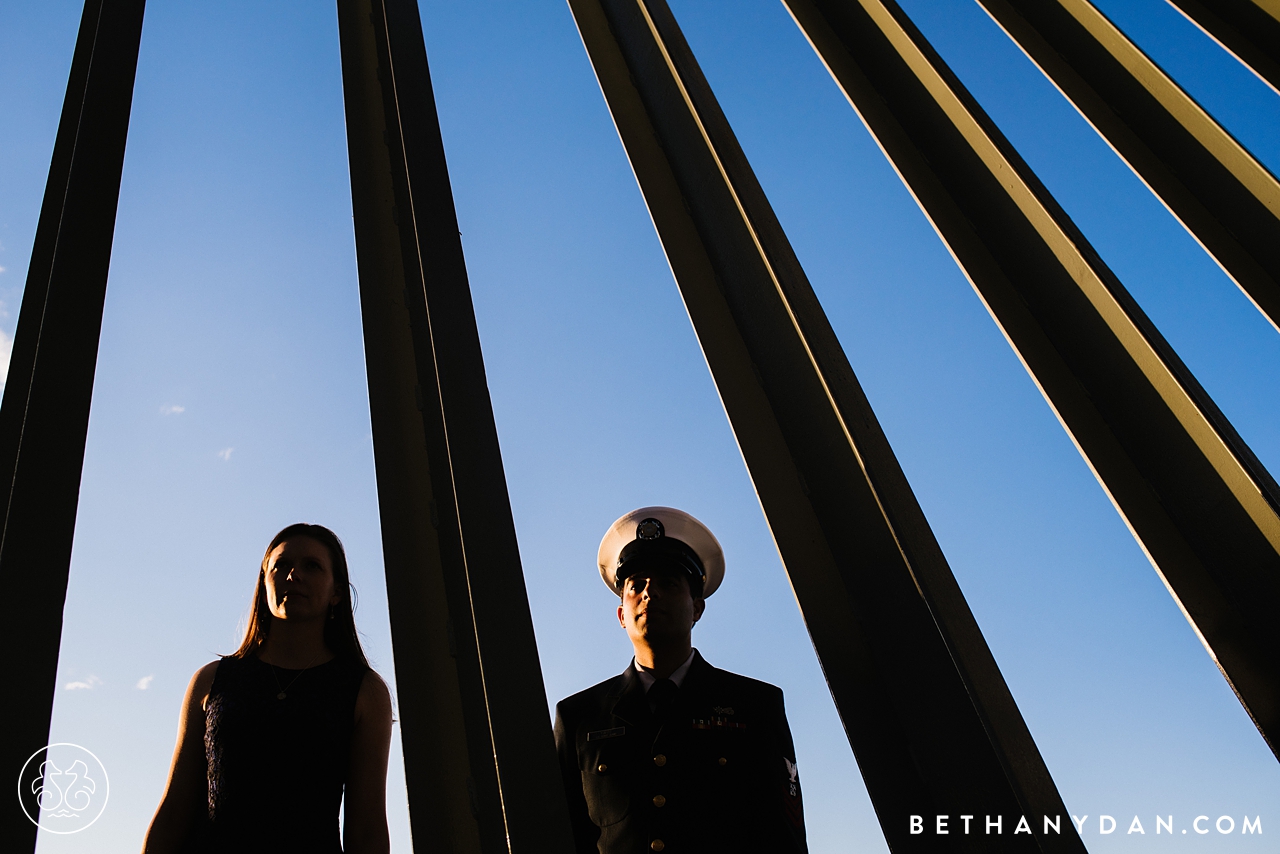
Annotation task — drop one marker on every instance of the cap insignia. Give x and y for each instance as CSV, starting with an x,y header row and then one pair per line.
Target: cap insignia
x,y
650,529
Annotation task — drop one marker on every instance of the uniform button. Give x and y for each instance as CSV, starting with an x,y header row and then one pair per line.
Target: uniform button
x,y
723,761
657,845
602,768
658,800
659,760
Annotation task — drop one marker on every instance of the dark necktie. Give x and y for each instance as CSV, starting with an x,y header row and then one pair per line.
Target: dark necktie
x,y
661,697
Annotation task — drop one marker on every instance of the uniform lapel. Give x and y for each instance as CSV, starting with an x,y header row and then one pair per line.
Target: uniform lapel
x,y
698,680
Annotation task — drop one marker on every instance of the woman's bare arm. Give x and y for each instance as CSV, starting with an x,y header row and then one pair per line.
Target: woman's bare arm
x,y
185,793
364,826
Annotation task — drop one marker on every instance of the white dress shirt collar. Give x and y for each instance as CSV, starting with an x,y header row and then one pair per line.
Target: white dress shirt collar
x,y
647,678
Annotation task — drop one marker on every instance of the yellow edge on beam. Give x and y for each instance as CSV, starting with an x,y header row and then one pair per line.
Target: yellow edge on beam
x,y
1247,170
1122,326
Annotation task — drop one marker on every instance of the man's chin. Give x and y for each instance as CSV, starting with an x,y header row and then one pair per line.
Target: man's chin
x,y
663,635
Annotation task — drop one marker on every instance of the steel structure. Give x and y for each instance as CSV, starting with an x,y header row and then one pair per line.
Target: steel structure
x,y
1248,29
1220,192
933,725
931,721
1202,506
479,758
44,417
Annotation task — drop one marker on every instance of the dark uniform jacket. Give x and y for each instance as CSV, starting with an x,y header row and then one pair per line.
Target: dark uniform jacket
x,y
718,776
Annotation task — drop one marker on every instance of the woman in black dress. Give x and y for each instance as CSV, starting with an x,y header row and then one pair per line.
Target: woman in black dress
x,y
276,735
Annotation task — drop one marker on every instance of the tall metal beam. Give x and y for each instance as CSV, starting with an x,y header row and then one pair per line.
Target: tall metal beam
x,y
1218,190
931,721
1248,29
479,756
45,414
1198,501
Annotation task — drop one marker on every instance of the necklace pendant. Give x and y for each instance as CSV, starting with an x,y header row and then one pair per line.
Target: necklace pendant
x,y
280,696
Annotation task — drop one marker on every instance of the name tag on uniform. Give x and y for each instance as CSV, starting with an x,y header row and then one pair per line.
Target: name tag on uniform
x,y
601,734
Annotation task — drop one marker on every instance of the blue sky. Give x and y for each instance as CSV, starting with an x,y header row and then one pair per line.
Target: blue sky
x,y
230,397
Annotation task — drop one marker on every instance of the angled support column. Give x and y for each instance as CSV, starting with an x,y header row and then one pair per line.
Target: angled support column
x,y
1248,29
45,414
479,757
931,721
1222,195
1198,501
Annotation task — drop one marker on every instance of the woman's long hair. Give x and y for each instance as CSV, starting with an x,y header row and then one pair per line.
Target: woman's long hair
x,y
340,631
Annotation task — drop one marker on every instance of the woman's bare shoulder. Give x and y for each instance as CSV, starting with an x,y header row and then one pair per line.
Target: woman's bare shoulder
x,y
374,686
374,695
202,680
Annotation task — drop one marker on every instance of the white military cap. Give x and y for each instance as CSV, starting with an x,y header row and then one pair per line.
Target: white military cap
x,y
661,534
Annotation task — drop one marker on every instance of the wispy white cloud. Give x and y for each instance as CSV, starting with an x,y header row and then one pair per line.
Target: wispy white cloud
x,y
172,409
225,454
145,682
84,685
6,349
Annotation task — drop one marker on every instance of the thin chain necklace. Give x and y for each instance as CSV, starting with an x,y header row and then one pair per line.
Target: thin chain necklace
x,y
283,691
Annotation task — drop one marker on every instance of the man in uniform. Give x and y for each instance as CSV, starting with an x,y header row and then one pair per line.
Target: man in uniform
x,y
675,755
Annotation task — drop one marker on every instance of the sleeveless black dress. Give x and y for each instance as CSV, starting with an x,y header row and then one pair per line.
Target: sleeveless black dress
x,y
277,768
